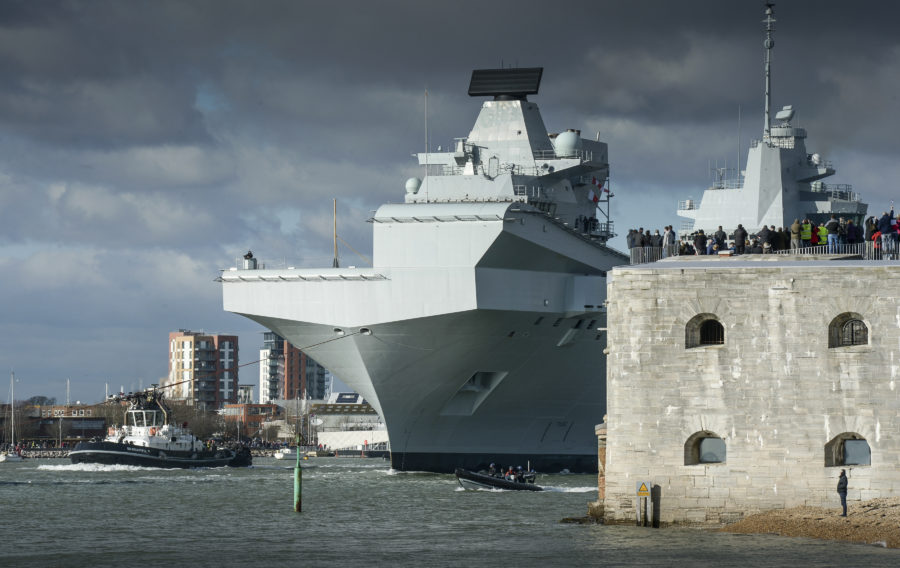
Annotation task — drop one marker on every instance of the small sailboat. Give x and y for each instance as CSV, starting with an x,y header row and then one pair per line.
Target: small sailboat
x,y
14,453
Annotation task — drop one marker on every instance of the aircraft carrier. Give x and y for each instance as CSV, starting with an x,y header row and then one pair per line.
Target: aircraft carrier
x,y
479,332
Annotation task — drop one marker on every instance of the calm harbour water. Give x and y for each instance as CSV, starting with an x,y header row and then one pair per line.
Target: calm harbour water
x,y
356,512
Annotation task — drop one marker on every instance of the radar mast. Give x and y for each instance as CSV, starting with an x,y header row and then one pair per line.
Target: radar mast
x,y
769,43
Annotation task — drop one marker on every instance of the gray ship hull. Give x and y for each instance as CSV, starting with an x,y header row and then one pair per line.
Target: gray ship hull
x,y
544,409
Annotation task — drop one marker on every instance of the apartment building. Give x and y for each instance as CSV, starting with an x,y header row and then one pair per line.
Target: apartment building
x,y
203,368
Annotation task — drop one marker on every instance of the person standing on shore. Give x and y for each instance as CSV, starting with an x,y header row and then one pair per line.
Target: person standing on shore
x,y
842,491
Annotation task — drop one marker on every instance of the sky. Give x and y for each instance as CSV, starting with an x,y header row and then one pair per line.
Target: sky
x,y
147,145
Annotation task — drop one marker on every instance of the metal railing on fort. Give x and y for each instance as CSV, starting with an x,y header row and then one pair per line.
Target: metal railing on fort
x,y
867,250
642,255
890,250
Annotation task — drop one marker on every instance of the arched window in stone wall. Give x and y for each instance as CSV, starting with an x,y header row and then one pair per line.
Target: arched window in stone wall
x,y
848,448
848,329
704,447
703,329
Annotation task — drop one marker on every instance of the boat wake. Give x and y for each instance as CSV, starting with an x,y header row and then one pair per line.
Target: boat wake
x,y
95,467
392,471
552,489
547,488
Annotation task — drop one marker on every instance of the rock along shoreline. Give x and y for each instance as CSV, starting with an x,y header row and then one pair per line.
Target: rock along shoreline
x,y
876,521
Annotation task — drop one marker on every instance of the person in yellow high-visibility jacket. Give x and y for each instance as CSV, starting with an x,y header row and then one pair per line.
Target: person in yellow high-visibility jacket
x,y
806,232
823,234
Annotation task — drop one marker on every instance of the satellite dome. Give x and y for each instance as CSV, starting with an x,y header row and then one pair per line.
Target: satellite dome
x,y
567,143
413,185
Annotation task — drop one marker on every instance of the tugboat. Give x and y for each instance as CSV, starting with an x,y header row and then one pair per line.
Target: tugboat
x,y
147,439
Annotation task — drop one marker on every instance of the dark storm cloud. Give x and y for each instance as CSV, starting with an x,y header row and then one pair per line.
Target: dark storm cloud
x,y
145,145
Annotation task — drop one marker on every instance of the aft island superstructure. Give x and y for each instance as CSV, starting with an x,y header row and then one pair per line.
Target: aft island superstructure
x,y
782,180
479,333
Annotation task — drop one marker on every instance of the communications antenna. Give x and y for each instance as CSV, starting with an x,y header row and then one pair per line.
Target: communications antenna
x,y
769,43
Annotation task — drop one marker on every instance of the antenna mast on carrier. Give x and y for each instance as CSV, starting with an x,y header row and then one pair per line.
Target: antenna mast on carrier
x,y
770,43
335,263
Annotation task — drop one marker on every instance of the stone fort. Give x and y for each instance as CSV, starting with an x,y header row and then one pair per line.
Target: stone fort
x,y
738,385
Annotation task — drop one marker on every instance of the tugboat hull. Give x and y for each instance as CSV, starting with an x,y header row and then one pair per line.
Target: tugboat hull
x,y
112,453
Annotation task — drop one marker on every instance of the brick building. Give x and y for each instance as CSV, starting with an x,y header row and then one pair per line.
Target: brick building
x,y
203,369
287,373
250,417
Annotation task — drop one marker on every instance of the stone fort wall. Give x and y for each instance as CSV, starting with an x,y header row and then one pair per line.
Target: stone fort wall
x,y
782,400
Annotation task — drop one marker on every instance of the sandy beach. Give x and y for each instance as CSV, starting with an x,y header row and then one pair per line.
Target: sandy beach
x,y
872,522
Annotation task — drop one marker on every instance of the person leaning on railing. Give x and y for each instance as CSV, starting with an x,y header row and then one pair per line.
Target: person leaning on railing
x,y
782,239
740,239
806,232
852,233
814,235
763,235
870,228
795,234
668,241
823,233
700,242
888,233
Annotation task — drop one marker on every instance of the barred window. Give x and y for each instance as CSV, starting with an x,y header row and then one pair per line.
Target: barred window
x,y
848,329
712,333
854,332
702,330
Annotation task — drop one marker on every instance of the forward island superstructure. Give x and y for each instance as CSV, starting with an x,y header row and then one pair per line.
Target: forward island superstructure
x,y
782,181
478,334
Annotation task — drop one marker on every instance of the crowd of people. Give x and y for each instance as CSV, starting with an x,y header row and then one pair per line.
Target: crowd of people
x,y
638,238
832,234
19,447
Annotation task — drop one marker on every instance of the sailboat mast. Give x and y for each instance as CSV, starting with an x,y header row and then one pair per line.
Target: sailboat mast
x,y
334,215
12,407
770,43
